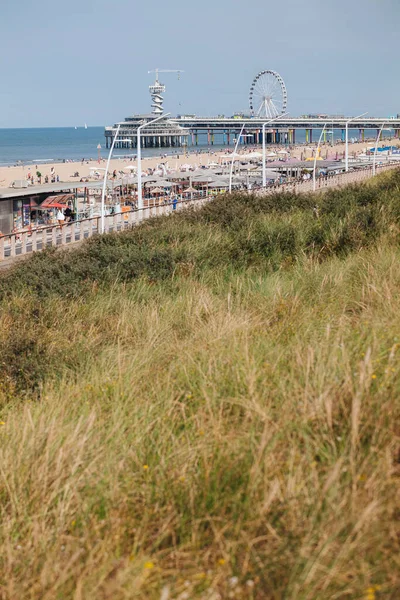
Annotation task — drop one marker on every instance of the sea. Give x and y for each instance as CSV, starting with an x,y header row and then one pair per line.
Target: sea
x,y
58,144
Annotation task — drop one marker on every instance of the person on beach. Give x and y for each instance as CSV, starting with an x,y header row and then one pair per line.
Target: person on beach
x,y
60,217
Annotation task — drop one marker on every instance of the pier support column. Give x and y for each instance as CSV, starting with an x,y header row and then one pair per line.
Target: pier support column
x,y
196,137
311,136
294,136
229,138
208,137
343,135
307,136
360,132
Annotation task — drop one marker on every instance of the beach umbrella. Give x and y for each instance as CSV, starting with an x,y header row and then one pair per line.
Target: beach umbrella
x,y
252,155
189,190
159,183
272,154
283,152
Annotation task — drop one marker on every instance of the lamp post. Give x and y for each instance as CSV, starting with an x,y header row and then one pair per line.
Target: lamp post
x,y
376,149
103,193
139,157
347,139
264,169
315,158
233,157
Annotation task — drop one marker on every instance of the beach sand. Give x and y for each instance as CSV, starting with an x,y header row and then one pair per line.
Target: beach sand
x,y
66,171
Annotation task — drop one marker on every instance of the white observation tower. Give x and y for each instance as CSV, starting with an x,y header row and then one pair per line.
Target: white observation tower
x,y
157,89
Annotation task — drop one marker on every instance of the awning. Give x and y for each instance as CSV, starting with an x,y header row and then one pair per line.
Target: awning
x,y
53,201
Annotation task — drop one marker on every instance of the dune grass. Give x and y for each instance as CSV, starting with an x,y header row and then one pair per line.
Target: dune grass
x,y
207,406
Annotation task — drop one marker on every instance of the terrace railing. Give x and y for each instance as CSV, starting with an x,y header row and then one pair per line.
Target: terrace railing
x,y
26,242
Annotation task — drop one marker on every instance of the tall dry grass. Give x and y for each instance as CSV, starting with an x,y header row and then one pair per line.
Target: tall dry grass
x,y
219,432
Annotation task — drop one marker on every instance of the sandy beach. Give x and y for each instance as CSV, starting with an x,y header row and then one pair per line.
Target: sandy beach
x,y
66,171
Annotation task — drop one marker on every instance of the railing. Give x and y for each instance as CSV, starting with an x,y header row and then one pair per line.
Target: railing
x,y
25,242
329,181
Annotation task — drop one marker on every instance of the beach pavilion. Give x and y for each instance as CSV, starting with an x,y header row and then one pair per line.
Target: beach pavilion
x,y
19,206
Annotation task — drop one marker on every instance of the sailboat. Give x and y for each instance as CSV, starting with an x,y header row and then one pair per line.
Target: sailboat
x,y
76,128
85,126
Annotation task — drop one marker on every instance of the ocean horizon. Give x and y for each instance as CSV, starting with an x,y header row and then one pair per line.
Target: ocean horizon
x,y
59,144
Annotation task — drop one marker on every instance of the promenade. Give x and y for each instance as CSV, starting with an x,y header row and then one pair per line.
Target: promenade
x,y
15,245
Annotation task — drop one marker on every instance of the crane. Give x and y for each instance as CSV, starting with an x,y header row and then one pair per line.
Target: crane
x,y
157,89
157,71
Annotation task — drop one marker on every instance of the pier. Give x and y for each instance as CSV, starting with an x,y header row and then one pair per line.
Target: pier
x,y
267,101
192,131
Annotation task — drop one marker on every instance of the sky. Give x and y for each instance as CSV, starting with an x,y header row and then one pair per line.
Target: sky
x,y
64,63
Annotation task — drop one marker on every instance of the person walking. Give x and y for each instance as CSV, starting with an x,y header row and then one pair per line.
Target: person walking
x,y
60,217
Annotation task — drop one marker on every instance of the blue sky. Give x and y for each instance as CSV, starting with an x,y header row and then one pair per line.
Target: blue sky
x,y
66,63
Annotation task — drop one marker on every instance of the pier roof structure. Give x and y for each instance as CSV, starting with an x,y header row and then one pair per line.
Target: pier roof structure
x,y
334,122
180,130
164,133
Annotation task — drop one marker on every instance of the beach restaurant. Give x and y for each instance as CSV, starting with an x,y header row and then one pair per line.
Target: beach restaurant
x,y
22,208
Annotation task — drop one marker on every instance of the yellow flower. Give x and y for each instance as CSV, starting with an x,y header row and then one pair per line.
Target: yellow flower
x,y
221,561
370,594
373,376
149,565
2,423
145,467
201,432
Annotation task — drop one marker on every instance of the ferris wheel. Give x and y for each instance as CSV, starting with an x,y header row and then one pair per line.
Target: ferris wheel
x,y
268,95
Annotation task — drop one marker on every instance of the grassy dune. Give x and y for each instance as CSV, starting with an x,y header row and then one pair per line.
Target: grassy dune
x,y
207,406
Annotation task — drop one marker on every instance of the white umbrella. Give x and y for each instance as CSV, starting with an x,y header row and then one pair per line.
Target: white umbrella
x,y
283,152
129,168
272,154
253,155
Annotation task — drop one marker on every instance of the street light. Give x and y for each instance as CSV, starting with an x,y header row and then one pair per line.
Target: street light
x,y
139,157
103,193
347,139
315,158
376,149
264,169
233,157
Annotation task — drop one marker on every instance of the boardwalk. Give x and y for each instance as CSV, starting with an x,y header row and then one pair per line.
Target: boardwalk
x,y
24,243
